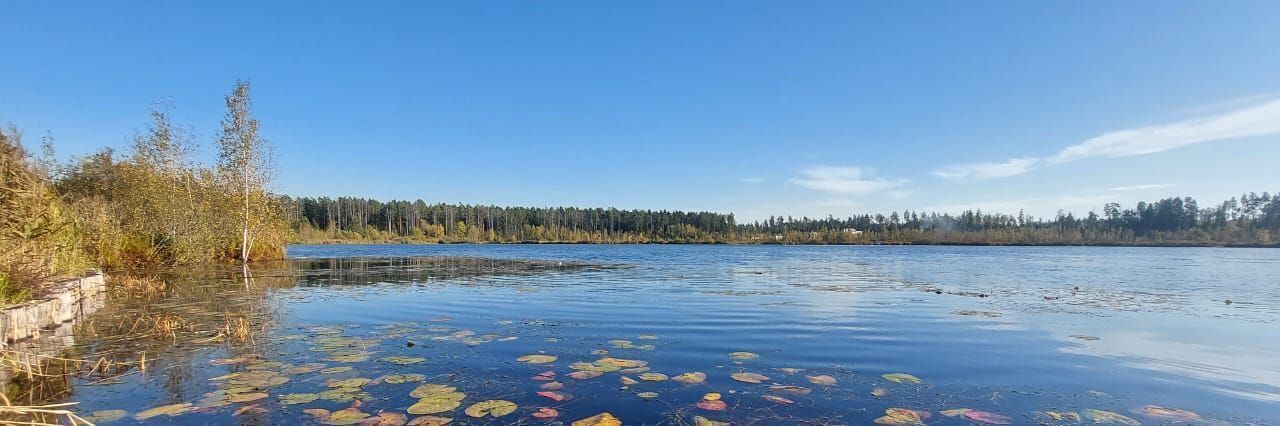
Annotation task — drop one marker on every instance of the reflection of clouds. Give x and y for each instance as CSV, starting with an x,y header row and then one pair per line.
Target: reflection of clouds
x,y
1248,371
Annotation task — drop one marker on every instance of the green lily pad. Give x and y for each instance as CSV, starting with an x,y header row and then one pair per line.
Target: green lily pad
x,y
106,416
822,379
1108,417
429,389
396,379
298,398
346,383
360,357
902,378
692,378
743,356
336,370
246,397
537,359
171,410
493,407
404,360
343,394
653,377
749,377
348,416
437,404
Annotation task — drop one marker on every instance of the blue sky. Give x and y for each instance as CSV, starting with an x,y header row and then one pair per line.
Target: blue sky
x,y
759,108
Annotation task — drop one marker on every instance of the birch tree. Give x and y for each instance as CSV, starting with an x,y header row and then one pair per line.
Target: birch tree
x,y
244,165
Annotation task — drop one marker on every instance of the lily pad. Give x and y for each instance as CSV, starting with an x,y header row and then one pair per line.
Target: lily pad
x,y
586,366
822,379
1169,413
347,416
404,360
712,405
691,378
246,397
790,389
336,370
777,399
620,363
703,421
743,356
546,413
396,379
430,421
360,357
343,394
1108,417
711,396
749,377
902,378
903,417
647,395
584,375
988,417
171,410
431,389
1064,416
537,359
493,407
106,416
298,398
602,419
387,418
653,377
346,383
555,396
628,381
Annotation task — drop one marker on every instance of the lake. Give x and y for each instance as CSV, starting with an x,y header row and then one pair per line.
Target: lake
x,y
686,334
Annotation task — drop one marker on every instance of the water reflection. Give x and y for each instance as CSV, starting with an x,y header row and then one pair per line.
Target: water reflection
x,y
321,333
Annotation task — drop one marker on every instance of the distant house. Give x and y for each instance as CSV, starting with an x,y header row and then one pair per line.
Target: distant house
x,y
851,231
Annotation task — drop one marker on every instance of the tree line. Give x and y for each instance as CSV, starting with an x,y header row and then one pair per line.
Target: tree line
x,y
362,219
1250,219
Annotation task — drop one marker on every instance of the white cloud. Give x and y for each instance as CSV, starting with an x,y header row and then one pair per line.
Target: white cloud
x,y
1141,187
1015,166
753,179
842,180
1255,120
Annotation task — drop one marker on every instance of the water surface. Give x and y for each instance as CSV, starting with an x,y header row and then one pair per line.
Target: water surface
x,y
1017,332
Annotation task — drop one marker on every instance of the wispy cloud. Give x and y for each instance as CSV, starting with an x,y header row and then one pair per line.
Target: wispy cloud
x,y
1015,166
1141,187
1254,120
753,179
843,180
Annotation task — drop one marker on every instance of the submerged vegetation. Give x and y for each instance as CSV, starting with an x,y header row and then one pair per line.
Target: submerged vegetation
x,y
154,205
1249,220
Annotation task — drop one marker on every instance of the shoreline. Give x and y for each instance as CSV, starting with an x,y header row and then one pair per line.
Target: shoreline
x,y
885,243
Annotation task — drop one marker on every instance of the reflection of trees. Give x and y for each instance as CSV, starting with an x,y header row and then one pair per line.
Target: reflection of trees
x,y
196,308
360,271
